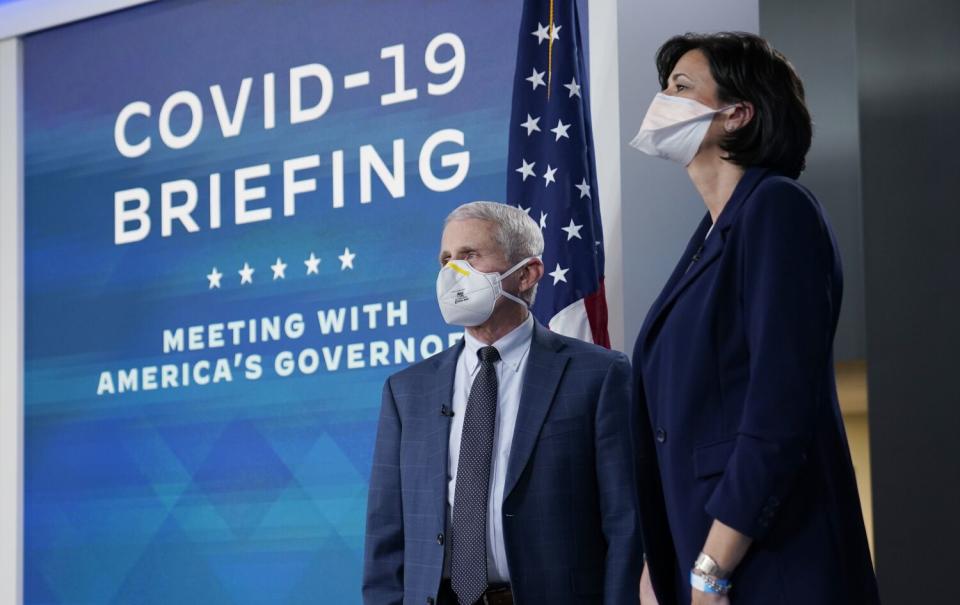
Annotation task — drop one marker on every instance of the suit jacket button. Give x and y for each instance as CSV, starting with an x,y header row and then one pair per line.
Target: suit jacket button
x,y
440,539
661,435
429,600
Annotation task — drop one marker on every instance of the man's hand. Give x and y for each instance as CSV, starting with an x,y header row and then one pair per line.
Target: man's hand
x,y
707,598
647,596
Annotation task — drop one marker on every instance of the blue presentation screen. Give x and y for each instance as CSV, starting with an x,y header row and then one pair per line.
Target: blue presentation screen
x,y
233,212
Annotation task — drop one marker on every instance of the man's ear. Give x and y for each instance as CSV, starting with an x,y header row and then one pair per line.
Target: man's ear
x,y
531,274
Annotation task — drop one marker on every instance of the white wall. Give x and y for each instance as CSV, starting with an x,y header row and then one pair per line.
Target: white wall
x,y
24,16
11,316
605,114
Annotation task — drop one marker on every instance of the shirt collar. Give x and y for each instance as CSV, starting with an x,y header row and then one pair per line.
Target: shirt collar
x,y
513,347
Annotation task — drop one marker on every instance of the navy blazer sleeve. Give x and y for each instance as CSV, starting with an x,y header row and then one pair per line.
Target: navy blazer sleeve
x,y
787,268
616,481
383,553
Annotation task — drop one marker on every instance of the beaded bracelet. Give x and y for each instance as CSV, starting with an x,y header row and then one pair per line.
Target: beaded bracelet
x,y
709,584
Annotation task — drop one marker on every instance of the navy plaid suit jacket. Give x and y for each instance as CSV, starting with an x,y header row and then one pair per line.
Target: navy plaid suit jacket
x,y
571,526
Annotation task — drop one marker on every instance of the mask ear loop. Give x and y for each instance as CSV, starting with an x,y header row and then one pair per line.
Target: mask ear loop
x,y
510,272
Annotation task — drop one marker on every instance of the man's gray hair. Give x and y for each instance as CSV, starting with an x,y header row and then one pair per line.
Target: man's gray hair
x,y
517,234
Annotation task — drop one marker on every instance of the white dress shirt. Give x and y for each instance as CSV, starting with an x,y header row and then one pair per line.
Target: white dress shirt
x,y
514,349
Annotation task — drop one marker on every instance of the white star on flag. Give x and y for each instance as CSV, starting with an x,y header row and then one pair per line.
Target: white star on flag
x,y
278,269
561,130
346,259
312,264
556,32
548,176
573,87
542,33
537,78
573,230
527,169
246,274
520,206
531,124
558,275
214,277
584,188
568,225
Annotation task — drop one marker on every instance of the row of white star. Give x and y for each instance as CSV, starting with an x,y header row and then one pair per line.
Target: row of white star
x,y
536,79
573,229
280,268
532,126
526,170
543,32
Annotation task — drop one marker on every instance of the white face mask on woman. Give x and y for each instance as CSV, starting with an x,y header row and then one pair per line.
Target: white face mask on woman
x,y
674,128
467,296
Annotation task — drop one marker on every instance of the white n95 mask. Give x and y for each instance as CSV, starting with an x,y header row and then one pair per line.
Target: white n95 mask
x,y
674,128
467,296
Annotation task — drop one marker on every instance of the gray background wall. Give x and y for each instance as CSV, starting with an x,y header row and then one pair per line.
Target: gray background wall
x,y
660,207
818,37
909,66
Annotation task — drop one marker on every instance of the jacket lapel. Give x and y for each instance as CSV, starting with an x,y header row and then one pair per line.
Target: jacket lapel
x,y
690,267
544,370
678,273
445,369
701,254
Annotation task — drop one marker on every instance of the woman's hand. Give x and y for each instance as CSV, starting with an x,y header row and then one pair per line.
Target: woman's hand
x,y
647,596
707,598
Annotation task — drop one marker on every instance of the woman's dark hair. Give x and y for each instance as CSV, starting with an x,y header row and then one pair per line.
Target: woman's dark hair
x,y
747,68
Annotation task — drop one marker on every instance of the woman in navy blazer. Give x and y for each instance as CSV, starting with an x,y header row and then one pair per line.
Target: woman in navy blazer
x,y
746,485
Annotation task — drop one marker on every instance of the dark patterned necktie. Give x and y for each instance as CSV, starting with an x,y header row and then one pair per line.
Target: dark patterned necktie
x,y
468,563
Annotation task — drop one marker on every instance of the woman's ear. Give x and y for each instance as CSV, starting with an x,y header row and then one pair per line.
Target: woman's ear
x,y
740,117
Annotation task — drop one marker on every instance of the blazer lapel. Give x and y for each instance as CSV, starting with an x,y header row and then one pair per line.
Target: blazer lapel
x,y
701,254
678,273
445,370
689,268
544,370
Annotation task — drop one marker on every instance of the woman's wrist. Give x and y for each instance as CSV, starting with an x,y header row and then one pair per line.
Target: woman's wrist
x,y
708,566
725,546
709,584
707,576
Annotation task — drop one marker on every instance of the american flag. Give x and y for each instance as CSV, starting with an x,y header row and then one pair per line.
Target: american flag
x,y
551,170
